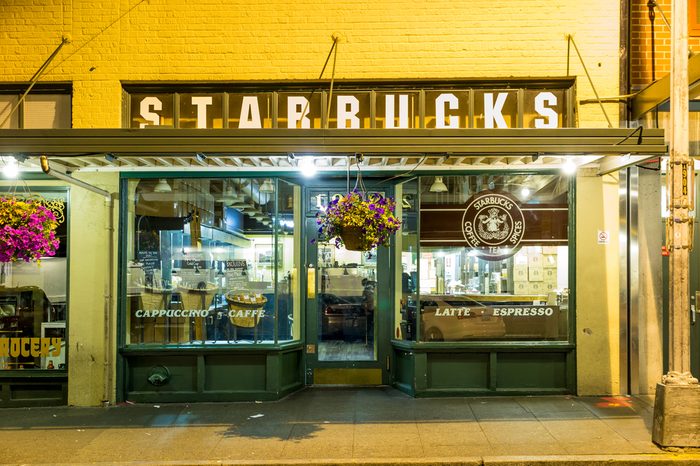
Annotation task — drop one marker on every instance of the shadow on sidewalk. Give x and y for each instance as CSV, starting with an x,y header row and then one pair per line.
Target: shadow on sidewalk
x,y
304,414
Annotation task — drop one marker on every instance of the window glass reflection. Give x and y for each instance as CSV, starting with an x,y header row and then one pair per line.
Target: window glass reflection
x,y
33,305
212,261
493,261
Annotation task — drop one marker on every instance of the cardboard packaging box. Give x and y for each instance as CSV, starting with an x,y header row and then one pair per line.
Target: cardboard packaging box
x,y
535,261
521,288
535,274
536,287
520,273
550,275
549,261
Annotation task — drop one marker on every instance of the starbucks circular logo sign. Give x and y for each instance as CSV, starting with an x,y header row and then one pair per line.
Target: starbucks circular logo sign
x,y
493,225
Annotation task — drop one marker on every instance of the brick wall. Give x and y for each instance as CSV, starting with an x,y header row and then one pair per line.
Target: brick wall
x,y
640,47
216,40
198,40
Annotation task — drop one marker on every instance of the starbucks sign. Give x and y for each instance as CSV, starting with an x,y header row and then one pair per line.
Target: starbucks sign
x,y
493,225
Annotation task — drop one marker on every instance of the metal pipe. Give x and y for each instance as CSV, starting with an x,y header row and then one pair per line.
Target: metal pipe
x,y
35,79
590,80
107,394
69,179
109,324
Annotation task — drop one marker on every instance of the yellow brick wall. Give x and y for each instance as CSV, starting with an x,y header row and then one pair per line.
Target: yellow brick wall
x,y
88,291
597,285
214,40
197,40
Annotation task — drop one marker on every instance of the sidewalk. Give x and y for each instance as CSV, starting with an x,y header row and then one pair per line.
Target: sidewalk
x,y
337,426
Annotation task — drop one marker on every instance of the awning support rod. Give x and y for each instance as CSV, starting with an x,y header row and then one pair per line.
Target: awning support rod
x,y
590,80
35,79
69,179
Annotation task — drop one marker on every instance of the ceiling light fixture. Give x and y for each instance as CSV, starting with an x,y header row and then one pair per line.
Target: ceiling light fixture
x,y
162,186
267,186
438,186
110,157
201,158
525,192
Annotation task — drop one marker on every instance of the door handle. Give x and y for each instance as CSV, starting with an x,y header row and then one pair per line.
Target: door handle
x,y
311,282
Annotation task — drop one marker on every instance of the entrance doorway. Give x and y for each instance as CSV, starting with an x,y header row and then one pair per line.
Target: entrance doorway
x,y
347,307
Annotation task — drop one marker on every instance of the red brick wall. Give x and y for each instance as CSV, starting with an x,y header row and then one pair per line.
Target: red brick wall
x,y
640,49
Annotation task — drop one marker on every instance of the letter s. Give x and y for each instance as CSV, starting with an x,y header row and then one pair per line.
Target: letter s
x,y
146,112
552,116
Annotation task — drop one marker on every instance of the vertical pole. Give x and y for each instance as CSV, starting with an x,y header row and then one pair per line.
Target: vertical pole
x,y
677,398
679,186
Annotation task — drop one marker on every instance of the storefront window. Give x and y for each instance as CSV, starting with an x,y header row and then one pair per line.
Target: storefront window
x,y
33,309
493,259
407,251
213,261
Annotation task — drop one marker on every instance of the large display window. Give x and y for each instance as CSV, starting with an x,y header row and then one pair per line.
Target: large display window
x,y
484,258
33,308
212,261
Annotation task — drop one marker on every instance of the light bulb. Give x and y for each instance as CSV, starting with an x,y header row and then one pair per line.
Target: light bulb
x,y
307,167
11,168
568,167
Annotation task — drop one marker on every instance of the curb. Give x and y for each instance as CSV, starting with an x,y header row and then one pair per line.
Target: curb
x,y
674,459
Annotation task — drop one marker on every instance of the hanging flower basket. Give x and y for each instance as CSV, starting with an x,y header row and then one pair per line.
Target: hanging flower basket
x,y
27,230
359,221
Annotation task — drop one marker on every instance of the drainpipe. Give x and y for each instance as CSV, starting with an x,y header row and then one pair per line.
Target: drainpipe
x,y
109,289
109,365
625,61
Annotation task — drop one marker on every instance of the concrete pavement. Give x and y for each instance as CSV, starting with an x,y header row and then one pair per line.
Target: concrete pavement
x,y
342,426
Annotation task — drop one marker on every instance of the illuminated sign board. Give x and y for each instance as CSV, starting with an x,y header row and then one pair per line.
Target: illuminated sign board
x,y
444,107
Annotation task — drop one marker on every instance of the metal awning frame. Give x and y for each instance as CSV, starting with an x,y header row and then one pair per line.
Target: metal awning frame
x,y
165,149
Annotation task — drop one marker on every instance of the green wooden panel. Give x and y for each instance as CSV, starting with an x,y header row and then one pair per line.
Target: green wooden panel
x,y
458,370
402,372
290,369
183,373
242,372
531,371
28,393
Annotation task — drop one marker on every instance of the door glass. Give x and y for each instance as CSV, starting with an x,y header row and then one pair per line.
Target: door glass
x,y
346,301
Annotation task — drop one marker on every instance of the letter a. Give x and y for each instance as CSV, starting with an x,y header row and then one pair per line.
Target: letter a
x,y
250,113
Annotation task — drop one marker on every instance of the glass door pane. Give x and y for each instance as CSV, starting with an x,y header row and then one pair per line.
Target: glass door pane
x,y
346,301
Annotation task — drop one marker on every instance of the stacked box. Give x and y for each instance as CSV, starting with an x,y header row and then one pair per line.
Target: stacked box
x,y
549,261
521,288
535,274
535,270
549,275
536,287
534,260
520,273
